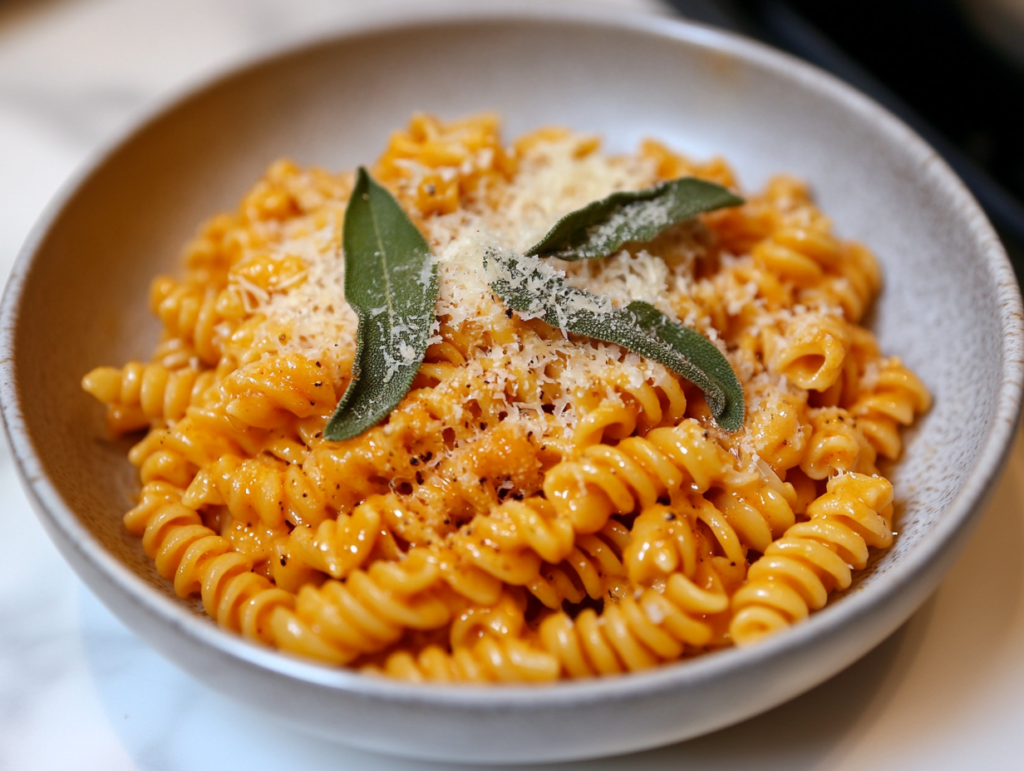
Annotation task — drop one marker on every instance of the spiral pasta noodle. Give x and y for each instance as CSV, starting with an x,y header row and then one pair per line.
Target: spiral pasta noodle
x,y
813,558
139,395
635,634
539,505
199,561
338,621
489,661
610,480
890,399
593,568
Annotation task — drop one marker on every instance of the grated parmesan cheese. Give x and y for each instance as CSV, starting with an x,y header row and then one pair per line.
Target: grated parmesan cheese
x,y
555,178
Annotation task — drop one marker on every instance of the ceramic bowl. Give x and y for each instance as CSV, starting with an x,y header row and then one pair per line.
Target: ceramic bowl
x,y
77,299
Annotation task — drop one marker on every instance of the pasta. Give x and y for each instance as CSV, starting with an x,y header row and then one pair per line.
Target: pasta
x,y
540,505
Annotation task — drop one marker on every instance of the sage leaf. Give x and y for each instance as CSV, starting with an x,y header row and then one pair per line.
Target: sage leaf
x,y
700,353
602,227
539,291
391,283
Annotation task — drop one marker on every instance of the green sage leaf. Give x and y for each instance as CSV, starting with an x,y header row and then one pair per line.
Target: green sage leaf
x,y
391,283
602,227
639,327
700,353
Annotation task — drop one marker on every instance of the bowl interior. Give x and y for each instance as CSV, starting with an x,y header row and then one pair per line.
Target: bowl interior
x,y
84,296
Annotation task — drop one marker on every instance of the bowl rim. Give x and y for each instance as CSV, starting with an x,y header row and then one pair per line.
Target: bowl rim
x,y
57,515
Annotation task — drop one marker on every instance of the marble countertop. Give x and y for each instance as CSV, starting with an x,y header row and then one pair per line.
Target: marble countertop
x,y
78,690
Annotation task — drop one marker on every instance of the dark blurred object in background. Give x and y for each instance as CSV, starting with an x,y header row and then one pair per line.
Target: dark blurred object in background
x,y
954,70
932,54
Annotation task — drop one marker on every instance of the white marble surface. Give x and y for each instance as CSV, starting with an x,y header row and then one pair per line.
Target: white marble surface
x,y
78,690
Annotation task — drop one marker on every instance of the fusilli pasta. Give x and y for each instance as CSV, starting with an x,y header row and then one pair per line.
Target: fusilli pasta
x,y
539,505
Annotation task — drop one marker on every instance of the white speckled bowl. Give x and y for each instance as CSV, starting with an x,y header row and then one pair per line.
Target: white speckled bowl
x,y
77,299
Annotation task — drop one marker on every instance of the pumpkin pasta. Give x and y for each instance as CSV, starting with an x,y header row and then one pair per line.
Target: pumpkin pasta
x,y
540,505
